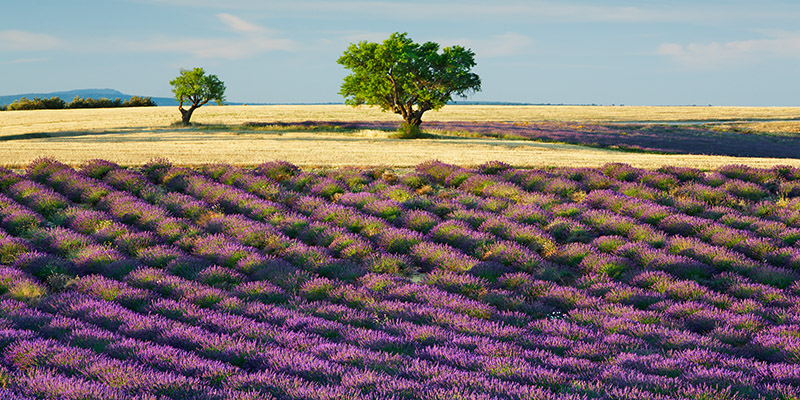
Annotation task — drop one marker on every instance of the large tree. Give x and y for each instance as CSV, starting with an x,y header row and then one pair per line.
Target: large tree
x,y
406,77
196,88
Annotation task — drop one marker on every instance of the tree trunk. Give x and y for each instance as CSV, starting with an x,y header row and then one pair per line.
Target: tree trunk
x,y
186,114
414,118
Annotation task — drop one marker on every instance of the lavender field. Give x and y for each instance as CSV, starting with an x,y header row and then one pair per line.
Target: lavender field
x,y
221,282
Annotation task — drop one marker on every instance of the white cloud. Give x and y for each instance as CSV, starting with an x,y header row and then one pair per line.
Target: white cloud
x,y
715,54
246,39
506,44
249,40
27,60
15,40
230,49
240,25
461,10
534,10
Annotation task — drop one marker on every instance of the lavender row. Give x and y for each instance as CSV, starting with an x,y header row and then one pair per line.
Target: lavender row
x,y
649,294
78,243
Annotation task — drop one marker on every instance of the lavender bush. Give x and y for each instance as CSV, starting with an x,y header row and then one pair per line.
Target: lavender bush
x,y
224,282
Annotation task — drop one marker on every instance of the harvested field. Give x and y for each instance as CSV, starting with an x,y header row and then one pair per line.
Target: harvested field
x,y
133,136
13,122
320,149
652,138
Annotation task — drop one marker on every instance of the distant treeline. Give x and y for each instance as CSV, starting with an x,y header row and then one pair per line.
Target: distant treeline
x,y
56,103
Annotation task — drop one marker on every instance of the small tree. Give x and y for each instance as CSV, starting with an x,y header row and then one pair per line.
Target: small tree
x,y
407,78
196,88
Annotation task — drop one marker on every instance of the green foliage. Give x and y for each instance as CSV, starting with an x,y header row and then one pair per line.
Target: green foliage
x,y
56,103
196,88
78,102
406,77
53,103
408,131
137,101
134,101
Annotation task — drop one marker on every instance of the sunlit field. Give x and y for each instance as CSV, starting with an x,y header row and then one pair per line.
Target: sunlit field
x,y
103,119
270,253
133,136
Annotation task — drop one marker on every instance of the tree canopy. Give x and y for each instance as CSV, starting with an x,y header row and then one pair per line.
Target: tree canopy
x,y
196,88
407,78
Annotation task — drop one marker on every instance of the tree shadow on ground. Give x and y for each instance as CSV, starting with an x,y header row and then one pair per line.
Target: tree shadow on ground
x,y
647,138
82,133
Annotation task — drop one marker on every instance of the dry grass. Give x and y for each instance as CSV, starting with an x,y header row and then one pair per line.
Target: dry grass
x,y
787,128
133,136
14,122
43,121
318,149
614,114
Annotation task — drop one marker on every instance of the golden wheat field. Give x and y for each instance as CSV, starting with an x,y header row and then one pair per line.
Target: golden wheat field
x,y
133,136
13,122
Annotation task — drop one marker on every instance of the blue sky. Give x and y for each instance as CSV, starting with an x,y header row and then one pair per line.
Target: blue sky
x,y
576,52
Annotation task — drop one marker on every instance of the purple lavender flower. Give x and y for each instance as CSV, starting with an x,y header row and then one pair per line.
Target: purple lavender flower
x,y
19,286
127,180
568,230
494,167
441,256
527,214
94,258
513,255
97,168
613,266
389,210
621,172
460,235
746,190
277,170
12,248
706,194
683,173
328,188
748,174
43,383
358,199
100,225
562,187
253,286
658,180
39,198
419,220
475,184
531,180
8,178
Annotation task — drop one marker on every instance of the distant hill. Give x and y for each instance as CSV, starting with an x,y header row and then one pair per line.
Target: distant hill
x,y
67,96
85,93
